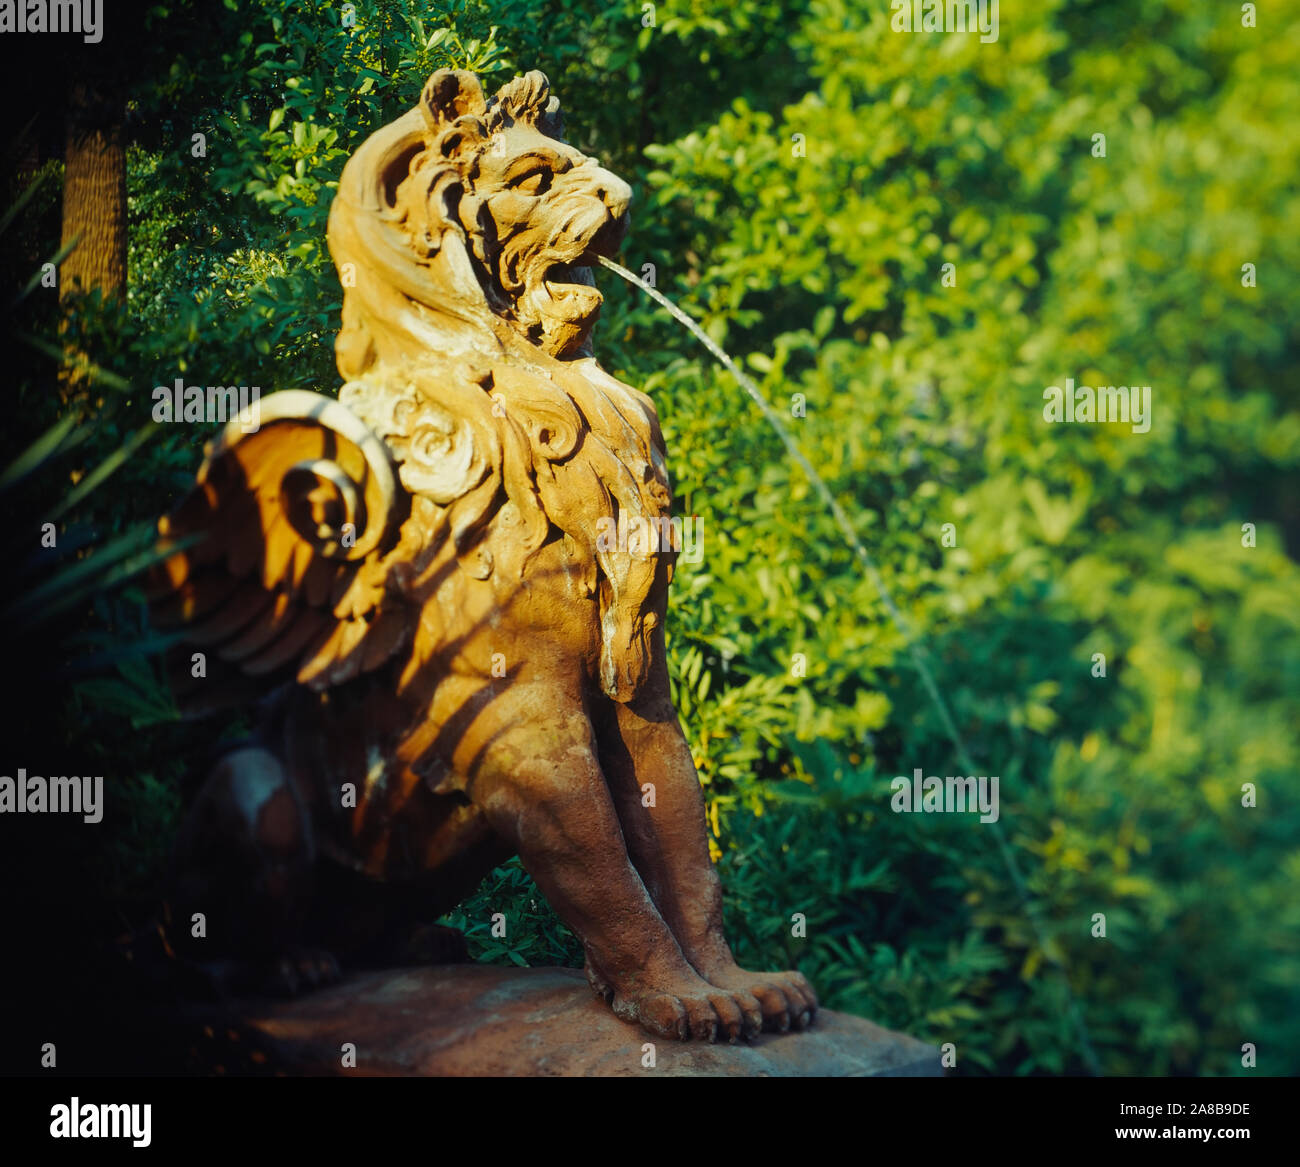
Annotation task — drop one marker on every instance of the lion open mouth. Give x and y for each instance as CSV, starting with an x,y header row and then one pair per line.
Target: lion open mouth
x,y
569,284
568,281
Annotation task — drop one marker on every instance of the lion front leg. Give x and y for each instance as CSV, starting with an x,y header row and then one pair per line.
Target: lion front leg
x,y
657,794
538,783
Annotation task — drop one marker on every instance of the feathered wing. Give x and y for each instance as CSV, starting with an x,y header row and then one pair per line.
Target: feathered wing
x,y
285,556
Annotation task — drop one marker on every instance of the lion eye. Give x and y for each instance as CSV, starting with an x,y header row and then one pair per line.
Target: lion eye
x,y
535,182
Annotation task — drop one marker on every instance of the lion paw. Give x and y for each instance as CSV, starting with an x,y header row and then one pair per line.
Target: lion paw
x,y
786,998
691,1011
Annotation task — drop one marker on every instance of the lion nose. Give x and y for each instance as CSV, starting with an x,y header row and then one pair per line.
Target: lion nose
x,y
612,191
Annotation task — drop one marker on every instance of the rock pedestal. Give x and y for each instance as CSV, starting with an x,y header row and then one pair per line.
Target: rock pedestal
x,y
479,1020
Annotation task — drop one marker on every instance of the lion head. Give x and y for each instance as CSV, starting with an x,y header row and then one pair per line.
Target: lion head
x,y
474,206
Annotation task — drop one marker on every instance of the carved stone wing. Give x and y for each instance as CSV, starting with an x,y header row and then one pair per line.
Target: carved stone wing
x,y
284,558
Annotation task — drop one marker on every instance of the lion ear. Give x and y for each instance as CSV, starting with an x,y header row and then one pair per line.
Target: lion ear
x,y
450,94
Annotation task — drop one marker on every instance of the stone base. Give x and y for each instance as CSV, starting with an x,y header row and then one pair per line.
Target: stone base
x,y
482,1020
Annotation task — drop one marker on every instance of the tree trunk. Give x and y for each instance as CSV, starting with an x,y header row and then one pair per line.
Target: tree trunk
x,y
94,213
94,195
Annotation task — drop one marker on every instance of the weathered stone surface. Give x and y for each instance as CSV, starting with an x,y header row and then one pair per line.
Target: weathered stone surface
x,y
476,1020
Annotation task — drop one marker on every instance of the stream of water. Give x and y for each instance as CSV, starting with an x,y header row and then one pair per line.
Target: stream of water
x,y
819,484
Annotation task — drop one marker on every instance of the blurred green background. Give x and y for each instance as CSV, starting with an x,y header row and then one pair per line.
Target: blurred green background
x,y
817,261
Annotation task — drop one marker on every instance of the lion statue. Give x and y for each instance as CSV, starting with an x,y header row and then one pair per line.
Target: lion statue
x,y
446,591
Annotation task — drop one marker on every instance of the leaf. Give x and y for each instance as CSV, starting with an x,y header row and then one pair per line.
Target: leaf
x,y
43,449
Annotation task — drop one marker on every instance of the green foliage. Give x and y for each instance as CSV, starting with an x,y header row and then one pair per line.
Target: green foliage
x,y
822,273
1121,795
534,934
